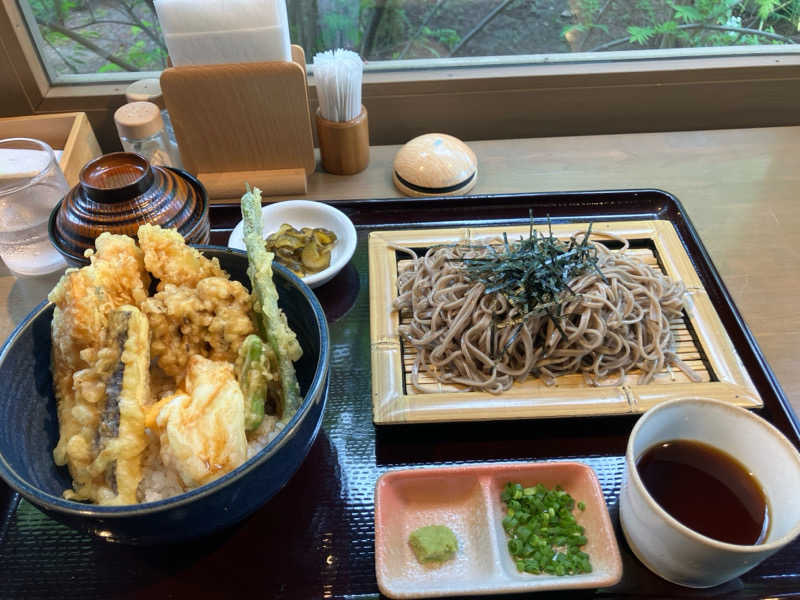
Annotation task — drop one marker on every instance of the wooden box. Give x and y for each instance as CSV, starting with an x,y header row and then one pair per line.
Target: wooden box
x,y
69,132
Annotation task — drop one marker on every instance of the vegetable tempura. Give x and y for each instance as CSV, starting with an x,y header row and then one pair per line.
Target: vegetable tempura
x,y
160,394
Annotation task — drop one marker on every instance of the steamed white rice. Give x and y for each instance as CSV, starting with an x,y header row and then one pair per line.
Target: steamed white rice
x,y
159,481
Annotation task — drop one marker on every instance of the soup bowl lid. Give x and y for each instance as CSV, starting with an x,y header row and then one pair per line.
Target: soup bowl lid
x,y
117,192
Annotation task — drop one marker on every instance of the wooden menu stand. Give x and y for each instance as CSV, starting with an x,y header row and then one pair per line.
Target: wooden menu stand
x,y
243,123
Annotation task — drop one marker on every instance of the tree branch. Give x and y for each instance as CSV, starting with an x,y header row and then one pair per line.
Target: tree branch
x,y
425,21
59,10
483,23
77,37
70,66
741,30
138,23
368,43
583,41
303,15
101,22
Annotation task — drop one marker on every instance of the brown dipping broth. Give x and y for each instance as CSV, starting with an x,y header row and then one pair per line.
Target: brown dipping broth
x,y
707,490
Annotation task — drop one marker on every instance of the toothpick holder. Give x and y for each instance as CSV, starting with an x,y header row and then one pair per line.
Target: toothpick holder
x,y
243,123
344,147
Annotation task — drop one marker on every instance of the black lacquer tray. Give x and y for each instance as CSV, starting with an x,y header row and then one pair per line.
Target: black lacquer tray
x,y
315,538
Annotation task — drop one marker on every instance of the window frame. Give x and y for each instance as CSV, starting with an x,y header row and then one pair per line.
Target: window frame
x,y
499,98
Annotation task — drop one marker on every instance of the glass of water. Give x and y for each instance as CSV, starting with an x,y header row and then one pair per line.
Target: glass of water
x,y
31,184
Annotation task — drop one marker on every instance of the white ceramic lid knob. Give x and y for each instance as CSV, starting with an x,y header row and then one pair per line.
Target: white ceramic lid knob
x,y
435,164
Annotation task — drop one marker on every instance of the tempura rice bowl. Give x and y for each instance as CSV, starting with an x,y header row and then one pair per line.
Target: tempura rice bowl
x,y
30,431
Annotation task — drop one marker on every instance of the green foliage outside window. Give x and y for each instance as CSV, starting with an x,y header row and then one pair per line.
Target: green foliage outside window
x,y
699,23
98,36
89,36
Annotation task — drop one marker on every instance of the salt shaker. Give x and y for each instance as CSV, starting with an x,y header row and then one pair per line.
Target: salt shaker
x,y
149,90
141,130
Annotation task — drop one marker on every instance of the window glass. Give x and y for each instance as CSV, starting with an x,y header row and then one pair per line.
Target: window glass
x,y
95,36
109,39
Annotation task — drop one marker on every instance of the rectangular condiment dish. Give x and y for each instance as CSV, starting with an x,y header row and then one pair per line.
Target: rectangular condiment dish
x,y
466,498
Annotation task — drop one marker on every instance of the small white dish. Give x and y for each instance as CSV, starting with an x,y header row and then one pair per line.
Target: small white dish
x,y
306,213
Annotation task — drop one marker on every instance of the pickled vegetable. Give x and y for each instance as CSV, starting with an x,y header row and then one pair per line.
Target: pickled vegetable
x,y
304,252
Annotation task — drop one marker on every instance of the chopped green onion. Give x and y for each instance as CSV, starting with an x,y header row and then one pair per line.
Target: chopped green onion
x,y
543,535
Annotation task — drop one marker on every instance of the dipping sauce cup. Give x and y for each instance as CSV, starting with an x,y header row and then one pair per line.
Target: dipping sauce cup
x,y
671,549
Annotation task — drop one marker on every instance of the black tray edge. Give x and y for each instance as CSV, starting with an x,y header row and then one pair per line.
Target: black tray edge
x,y
770,379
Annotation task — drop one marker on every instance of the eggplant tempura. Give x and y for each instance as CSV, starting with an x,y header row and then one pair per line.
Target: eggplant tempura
x,y
160,394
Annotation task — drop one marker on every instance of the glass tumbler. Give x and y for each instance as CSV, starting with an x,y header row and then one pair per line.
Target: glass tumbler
x,y
31,184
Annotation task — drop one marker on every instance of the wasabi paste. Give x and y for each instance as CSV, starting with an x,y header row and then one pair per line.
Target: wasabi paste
x,y
434,543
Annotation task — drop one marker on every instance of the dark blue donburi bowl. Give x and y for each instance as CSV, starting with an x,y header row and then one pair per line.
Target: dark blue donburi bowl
x,y
29,431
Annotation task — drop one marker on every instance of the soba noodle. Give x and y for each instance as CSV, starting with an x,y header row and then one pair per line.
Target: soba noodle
x,y
609,327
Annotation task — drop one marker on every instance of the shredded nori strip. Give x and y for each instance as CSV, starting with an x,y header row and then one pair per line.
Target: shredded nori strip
x,y
533,274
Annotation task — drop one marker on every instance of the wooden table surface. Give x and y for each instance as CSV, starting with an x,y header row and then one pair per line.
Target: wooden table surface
x,y
738,186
